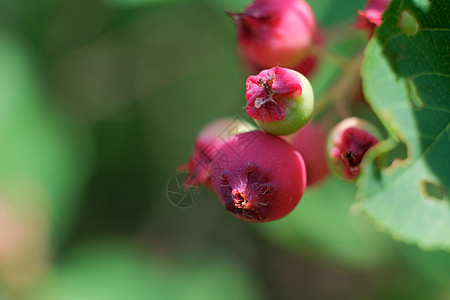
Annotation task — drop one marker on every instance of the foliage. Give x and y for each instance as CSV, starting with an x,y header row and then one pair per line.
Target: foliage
x,y
406,81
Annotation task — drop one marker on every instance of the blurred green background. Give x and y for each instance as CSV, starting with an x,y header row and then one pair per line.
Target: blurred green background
x,y
100,101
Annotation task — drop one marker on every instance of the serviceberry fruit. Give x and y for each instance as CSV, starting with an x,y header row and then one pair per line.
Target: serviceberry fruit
x,y
310,142
258,177
280,100
347,144
208,141
275,32
306,66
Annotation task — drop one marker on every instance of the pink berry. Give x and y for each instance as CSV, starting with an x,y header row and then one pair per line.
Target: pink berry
x,y
258,177
280,100
212,136
306,66
310,142
275,32
370,17
347,144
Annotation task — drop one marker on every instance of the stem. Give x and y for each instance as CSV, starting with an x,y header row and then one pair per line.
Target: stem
x,y
343,86
342,32
323,54
342,109
328,120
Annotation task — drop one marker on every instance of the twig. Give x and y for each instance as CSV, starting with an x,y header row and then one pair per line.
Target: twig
x,y
342,88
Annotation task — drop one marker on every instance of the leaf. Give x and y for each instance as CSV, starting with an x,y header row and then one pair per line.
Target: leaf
x,y
406,75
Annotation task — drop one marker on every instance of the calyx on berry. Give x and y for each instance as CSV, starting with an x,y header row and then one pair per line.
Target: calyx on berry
x,y
280,100
347,144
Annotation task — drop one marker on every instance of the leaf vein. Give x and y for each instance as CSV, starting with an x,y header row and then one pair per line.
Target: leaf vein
x,y
429,74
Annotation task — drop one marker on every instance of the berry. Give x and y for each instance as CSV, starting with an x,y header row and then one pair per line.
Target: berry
x,y
370,17
310,142
212,136
258,177
347,144
280,100
275,32
306,66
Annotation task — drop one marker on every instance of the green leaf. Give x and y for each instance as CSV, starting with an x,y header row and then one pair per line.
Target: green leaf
x,y
406,75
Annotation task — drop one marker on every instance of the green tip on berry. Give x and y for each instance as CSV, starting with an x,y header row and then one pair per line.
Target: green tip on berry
x,y
280,100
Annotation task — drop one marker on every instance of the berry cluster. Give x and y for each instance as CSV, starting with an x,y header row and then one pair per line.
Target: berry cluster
x,y
260,175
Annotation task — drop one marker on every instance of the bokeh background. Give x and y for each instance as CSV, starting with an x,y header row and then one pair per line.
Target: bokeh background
x,y
100,101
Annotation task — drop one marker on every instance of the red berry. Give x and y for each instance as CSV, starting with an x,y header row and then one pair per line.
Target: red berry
x,y
212,136
347,144
280,100
258,177
275,32
310,142
306,66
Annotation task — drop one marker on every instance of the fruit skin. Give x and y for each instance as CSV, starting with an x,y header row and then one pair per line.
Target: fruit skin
x,y
208,141
310,142
347,143
275,32
280,100
258,177
306,66
370,17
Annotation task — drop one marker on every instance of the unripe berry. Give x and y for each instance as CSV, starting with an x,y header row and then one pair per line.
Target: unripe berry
x,y
310,142
258,177
208,141
280,100
275,32
347,144
370,17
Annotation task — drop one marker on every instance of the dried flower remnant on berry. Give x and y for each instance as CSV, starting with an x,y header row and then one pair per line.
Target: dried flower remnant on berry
x,y
351,150
249,192
280,100
347,144
267,94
